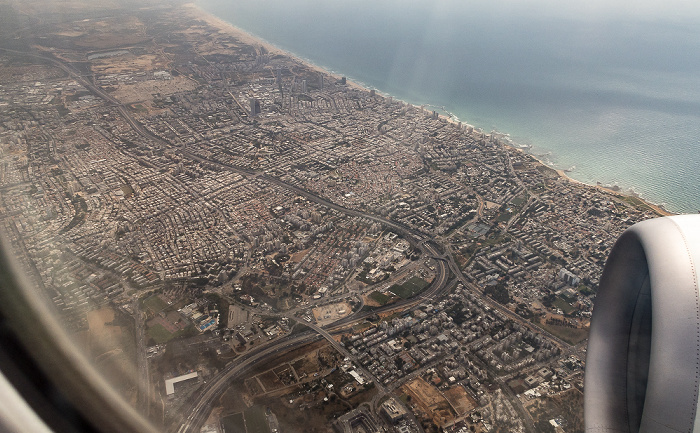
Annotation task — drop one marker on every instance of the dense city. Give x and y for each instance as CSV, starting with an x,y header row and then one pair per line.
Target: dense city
x,y
242,242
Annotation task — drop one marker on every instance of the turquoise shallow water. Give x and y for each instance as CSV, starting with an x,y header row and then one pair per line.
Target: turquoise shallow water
x,y
614,99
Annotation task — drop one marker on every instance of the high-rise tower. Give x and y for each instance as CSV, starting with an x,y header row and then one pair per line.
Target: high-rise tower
x,y
254,107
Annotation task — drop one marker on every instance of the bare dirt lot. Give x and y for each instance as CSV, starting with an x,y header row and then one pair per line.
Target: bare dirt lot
x,y
270,381
111,348
128,63
460,401
567,405
253,386
330,313
429,399
143,91
306,365
299,255
102,337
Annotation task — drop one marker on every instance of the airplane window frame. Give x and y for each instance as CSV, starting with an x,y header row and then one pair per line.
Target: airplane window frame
x,y
46,368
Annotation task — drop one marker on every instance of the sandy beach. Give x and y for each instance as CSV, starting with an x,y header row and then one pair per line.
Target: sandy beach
x,y
247,38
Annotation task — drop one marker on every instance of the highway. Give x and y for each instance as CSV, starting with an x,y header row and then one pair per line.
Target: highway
x,y
445,265
415,237
97,92
195,413
341,349
200,408
496,306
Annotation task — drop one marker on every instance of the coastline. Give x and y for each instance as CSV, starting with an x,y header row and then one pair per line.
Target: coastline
x,y
247,38
656,208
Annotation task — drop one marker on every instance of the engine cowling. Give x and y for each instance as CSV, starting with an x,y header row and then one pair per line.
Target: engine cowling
x,y
643,358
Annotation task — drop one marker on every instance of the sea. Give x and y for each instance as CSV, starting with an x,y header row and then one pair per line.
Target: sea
x,y
608,91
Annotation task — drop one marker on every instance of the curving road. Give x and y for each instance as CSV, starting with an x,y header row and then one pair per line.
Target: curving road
x,y
198,409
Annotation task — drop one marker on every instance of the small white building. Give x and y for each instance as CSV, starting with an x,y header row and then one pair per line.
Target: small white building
x,y
170,383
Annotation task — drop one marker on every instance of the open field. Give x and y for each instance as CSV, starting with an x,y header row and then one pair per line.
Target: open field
x,y
299,255
270,381
563,305
286,375
410,288
158,330
379,298
306,365
165,323
570,335
252,420
144,91
102,336
233,423
256,421
253,386
154,304
113,349
128,62
159,334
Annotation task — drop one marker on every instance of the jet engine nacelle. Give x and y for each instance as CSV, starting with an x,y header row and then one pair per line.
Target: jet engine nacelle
x,y
643,359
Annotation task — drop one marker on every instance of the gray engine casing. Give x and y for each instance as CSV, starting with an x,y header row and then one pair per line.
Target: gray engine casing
x,y
643,358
